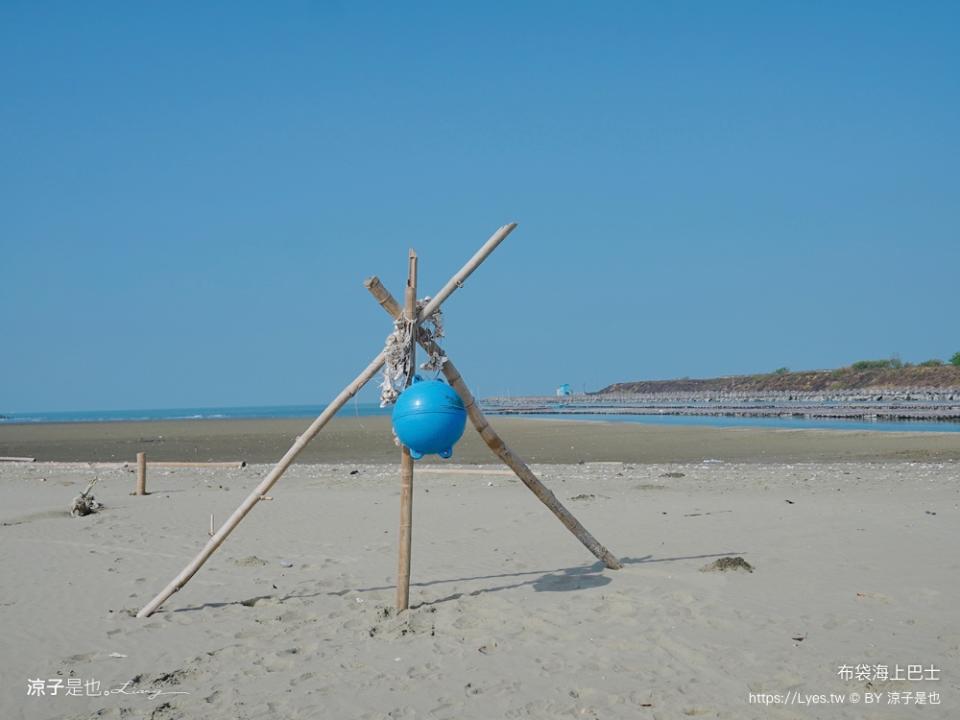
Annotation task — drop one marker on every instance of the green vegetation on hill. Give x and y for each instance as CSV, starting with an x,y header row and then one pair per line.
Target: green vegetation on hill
x,y
892,363
860,375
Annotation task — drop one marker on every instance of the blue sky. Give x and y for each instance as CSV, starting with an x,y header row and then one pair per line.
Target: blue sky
x,y
193,193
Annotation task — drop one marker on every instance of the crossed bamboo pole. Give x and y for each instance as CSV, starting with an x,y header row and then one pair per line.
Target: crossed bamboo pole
x,y
453,376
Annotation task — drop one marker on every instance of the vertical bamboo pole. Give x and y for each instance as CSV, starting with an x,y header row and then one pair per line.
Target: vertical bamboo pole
x,y
141,473
406,459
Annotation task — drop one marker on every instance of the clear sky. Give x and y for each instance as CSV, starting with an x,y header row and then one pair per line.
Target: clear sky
x,y
191,194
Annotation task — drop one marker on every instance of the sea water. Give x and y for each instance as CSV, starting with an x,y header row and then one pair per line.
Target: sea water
x,y
265,412
367,409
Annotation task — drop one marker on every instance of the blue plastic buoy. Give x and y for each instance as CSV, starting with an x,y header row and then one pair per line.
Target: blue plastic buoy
x,y
429,418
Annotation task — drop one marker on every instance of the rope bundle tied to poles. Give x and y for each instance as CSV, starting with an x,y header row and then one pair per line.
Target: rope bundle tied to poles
x,y
398,368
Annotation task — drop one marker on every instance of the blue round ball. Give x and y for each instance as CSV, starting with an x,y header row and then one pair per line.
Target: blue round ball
x,y
429,418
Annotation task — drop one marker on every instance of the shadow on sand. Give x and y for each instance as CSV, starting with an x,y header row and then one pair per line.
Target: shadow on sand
x,y
581,577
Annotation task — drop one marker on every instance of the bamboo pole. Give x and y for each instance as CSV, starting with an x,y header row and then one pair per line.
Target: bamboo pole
x,y
467,270
494,441
315,427
141,473
410,311
406,459
255,496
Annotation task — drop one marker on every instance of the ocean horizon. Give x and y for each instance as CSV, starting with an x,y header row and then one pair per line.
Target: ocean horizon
x,y
243,412
370,409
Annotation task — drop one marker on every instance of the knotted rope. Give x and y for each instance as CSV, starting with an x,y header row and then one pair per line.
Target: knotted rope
x,y
398,368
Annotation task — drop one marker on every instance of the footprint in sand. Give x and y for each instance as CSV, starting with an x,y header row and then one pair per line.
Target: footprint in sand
x,y
301,679
250,561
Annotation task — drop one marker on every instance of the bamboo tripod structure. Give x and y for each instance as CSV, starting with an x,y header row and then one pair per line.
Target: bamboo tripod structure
x,y
479,421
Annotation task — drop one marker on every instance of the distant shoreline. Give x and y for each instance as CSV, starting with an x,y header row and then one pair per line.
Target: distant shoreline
x,y
867,376
695,398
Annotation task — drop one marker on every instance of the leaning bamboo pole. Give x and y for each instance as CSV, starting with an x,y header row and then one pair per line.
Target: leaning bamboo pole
x,y
257,494
472,264
315,427
406,459
493,440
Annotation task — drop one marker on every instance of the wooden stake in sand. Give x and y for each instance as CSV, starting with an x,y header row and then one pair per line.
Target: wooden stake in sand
x,y
141,473
406,459
315,427
493,440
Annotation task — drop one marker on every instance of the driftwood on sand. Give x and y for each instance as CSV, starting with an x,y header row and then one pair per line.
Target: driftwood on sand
x,y
85,503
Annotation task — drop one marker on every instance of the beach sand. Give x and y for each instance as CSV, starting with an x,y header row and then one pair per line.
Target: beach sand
x,y
854,563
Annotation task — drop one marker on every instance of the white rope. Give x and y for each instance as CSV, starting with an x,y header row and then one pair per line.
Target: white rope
x,y
433,326
397,370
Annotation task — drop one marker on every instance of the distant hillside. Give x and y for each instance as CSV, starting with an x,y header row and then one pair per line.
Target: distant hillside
x,y
849,378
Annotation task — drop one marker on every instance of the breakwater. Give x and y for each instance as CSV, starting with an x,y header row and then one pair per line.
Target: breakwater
x,y
874,404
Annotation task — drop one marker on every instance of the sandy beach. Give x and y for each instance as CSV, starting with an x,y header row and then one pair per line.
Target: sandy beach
x,y
853,563
684,275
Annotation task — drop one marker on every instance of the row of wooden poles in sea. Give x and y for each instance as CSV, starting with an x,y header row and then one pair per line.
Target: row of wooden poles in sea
x,y
807,413
893,410
948,395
